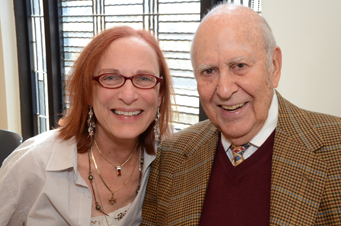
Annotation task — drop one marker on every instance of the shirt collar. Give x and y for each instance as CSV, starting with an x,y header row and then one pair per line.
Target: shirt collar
x,y
64,156
268,127
148,159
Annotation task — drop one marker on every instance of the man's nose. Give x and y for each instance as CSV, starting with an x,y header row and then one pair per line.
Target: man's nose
x,y
226,85
128,93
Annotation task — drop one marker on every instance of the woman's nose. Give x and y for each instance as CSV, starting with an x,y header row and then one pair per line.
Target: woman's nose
x,y
127,92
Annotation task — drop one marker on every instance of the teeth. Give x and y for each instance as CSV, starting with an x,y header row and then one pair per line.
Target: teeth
x,y
234,107
127,113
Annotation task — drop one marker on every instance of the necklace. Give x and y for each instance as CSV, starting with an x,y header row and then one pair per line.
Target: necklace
x,y
91,177
118,168
100,200
99,207
112,201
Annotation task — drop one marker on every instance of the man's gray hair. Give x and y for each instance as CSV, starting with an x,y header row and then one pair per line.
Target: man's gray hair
x,y
268,37
269,40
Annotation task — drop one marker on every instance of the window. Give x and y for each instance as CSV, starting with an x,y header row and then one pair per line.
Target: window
x,y
59,30
253,4
172,22
39,63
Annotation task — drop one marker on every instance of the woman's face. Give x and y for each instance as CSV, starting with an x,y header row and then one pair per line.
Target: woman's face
x,y
126,112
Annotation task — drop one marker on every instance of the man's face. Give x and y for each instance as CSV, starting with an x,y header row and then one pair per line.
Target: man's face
x,y
233,78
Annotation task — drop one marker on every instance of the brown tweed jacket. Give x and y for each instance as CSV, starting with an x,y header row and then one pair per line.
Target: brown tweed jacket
x,y
306,172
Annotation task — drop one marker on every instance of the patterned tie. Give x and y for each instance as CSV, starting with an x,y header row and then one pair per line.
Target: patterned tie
x,y
238,152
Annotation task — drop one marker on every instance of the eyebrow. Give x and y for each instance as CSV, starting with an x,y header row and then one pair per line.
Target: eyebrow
x,y
229,61
236,60
116,71
103,71
145,72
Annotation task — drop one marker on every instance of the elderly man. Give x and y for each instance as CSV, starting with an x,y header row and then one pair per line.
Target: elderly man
x,y
258,160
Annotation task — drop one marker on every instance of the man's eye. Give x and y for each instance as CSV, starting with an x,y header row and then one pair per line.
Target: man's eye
x,y
209,71
239,66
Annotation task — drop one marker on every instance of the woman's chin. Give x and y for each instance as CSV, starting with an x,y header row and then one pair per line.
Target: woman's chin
x,y
127,133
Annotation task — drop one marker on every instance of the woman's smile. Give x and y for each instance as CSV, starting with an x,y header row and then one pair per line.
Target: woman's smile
x,y
126,113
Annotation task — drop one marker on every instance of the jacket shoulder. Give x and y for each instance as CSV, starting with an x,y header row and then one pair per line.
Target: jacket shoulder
x,y
194,135
315,130
327,126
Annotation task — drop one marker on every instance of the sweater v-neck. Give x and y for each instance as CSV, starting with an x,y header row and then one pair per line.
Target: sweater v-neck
x,y
235,173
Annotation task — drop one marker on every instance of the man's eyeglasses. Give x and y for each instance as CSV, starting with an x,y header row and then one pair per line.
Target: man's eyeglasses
x,y
114,81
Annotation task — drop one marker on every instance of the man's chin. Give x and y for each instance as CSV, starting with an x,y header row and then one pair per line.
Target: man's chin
x,y
236,134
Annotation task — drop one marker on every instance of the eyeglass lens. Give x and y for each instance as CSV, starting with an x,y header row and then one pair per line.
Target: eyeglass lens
x,y
116,80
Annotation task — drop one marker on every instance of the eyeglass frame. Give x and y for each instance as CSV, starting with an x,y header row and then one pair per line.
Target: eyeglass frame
x,y
158,80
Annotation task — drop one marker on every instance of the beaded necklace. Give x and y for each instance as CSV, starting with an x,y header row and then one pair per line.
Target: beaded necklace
x,y
99,207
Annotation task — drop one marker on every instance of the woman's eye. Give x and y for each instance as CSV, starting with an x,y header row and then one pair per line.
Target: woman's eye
x,y
111,77
144,78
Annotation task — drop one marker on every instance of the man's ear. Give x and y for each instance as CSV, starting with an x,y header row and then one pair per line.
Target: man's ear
x,y
276,66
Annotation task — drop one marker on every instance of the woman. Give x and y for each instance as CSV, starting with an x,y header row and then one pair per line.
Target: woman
x,y
93,170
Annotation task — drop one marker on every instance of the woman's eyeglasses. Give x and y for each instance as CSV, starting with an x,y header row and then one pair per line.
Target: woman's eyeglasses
x,y
114,81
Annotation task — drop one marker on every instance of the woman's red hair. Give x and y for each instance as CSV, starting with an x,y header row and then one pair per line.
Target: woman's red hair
x,y
79,89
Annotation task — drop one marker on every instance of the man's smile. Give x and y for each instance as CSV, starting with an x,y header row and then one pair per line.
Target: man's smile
x,y
233,107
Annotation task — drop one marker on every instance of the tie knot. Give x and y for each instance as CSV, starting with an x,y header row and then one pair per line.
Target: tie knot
x,y
238,151
239,148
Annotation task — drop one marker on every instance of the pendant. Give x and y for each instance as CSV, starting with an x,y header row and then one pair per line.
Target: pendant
x,y
112,201
118,168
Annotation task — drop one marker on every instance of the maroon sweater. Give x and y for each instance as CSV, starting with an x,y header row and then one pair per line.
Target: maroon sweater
x,y
239,195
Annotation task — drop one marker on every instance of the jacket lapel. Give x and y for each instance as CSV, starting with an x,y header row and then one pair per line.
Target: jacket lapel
x,y
298,175
189,188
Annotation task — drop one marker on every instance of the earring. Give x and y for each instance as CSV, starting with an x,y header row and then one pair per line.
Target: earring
x,y
156,126
91,123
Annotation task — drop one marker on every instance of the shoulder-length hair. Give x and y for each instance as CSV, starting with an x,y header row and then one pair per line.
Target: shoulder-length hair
x,y
73,125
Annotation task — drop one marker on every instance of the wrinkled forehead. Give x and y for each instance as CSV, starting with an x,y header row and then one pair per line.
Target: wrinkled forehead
x,y
245,27
222,30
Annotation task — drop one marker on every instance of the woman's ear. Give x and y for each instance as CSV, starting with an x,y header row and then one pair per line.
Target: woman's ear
x,y
159,100
90,102
161,91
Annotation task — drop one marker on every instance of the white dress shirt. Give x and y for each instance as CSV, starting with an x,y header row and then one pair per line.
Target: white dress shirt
x,y
268,127
40,185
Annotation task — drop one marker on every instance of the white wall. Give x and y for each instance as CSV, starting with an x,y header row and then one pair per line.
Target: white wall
x,y
3,110
309,34
9,82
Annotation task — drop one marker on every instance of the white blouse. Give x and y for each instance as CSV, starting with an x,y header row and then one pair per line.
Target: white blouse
x,y
40,185
114,218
